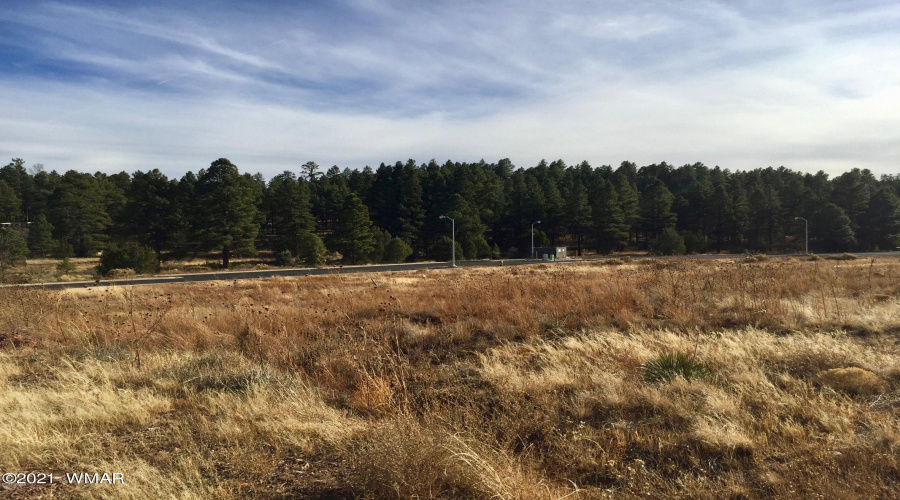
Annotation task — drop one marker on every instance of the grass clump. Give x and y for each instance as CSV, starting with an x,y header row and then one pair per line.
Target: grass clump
x,y
669,365
843,256
852,380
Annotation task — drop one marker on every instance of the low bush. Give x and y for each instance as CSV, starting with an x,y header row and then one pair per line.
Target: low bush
x,y
283,259
396,251
312,250
669,242
140,259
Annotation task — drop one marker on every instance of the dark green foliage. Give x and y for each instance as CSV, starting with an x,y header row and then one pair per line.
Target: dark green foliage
x,y
225,213
78,213
284,258
311,250
9,203
629,201
852,192
441,250
669,242
138,258
288,208
13,248
40,236
578,213
881,225
494,206
381,239
667,366
656,209
831,229
694,242
152,214
353,237
609,229
396,251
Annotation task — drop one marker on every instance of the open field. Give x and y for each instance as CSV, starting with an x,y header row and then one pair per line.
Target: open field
x,y
535,382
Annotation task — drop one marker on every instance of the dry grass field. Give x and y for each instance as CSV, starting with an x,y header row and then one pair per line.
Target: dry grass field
x,y
85,268
777,378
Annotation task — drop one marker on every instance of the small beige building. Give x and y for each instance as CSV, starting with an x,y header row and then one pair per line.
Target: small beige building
x,y
550,253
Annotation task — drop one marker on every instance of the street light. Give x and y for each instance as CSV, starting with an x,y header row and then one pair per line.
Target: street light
x,y
453,239
532,238
807,232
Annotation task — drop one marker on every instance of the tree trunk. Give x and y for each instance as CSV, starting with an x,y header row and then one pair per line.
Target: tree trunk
x,y
226,256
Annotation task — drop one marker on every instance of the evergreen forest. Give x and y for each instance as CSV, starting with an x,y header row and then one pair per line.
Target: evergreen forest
x,y
391,213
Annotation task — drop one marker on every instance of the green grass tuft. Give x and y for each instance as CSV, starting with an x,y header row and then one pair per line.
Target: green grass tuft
x,y
667,366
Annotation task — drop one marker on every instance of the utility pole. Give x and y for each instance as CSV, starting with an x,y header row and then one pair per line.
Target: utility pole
x,y
532,238
807,232
453,237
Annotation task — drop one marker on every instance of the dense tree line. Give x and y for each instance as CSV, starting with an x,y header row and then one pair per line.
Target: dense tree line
x,y
392,213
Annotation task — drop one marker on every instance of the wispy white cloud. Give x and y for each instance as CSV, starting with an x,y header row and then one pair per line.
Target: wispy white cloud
x,y
808,85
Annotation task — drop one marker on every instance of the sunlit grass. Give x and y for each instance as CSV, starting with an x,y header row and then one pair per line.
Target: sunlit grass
x,y
777,378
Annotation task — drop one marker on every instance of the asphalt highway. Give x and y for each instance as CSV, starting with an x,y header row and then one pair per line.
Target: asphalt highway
x,y
378,268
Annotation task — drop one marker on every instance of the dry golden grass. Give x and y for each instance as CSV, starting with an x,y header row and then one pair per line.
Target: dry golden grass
x,y
523,382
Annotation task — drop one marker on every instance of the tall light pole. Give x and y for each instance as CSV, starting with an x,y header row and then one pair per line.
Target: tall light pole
x,y
453,238
807,232
532,238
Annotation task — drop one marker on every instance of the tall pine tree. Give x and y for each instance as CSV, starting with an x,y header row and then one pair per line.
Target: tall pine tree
x,y
226,216
353,236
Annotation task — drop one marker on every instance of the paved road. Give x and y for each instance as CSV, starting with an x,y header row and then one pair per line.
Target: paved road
x,y
379,268
268,273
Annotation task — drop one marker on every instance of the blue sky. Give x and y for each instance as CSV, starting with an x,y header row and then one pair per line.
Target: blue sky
x,y
111,86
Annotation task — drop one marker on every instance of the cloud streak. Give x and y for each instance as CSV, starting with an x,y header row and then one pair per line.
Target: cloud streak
x,y
98,86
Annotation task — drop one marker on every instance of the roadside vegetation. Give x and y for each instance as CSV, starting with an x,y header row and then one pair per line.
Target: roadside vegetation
x,y
770,378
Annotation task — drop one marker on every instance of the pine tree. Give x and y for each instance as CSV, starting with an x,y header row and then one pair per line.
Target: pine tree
x,y
9,203
13,249
629,200
150,213
656,209
40,236
739,213
78,213
310,171
609,228
578,213
831,230
353,236
22,185
311,249
288,199
381,238
469,229
554,209
852,191
226,213
721,215
65,266
881,226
